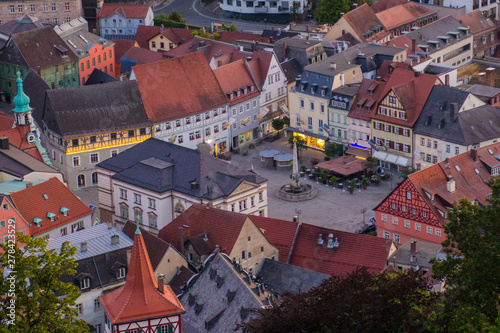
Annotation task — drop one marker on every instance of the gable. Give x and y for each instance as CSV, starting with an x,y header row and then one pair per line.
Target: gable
x,y
416,208
257,239
243,187
391,100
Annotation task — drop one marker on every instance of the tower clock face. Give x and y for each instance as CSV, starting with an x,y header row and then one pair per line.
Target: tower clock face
x,y
31,138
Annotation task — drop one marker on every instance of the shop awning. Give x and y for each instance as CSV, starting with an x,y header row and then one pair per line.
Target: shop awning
x,y
392,158
314,135
358,152
344,165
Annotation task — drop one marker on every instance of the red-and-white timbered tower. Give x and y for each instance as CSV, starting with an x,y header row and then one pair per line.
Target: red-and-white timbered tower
x,y
144,304
405,215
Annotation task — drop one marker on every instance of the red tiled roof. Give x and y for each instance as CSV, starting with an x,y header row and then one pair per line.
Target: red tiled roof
x,y
155,246
222,227
344,165
363,19
143,56
477,22
31,204
230,37
354,251
122,46
6,121
406,43
279,233
129,11
235,76
403,14
386,4
412,92
358,108
176,35
140,298
188,81
18,138
144,33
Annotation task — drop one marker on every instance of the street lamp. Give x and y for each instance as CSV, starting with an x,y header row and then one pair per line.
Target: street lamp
x,y
363,211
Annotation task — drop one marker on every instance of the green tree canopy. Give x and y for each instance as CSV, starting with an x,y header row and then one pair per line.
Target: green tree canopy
x,y
360,302
176,17
278,124
334,149
328,11
43,303
472,267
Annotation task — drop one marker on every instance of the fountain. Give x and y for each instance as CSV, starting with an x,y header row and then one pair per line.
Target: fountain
x,y
296,191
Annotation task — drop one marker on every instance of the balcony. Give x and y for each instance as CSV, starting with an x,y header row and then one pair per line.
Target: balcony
x,y
261,9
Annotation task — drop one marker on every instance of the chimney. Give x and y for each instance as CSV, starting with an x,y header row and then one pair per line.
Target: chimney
x,y
4,142
161,281
341,79
490,76
454,111
413,45
417,74
284,51
354,5
29,184
450,185
333,65
115,239
296,219
473,154
447,80
482,78
413,246
110,225
83,247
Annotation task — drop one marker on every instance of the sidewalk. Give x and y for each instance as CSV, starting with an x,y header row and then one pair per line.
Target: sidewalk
x,y
333,208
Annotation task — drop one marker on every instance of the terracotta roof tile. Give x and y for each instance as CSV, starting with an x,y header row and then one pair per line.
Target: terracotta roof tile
x,y
280,233
222,227
6,122
230,37
155,246
235,76
145,33
363,19
18,138
140,298
31,204
129,11
354,251
123,45
403,14
358,108
477,22
189,81
143,56
386,4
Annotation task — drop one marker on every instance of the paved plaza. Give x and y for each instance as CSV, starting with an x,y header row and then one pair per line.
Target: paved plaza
x,y
334,208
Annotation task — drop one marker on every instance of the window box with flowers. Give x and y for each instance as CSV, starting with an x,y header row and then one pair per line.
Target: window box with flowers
x,y
158,129
207,116
216,129
198,134
224,111
188,121
216,113
198,118
177,123
180,139
168,126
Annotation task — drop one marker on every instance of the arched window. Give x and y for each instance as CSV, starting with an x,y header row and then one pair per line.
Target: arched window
x,y
81,180
94,178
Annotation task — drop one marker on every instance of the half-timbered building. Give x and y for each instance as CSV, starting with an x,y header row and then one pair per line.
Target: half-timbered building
x,y
399,108
143,304
417,208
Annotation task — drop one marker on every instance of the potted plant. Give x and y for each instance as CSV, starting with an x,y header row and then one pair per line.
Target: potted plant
x,y
324,175
351,185
316,174
375,180
303,168
364,182
386,176
333,181
314,161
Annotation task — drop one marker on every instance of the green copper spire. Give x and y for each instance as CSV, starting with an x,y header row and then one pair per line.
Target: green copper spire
x,y
21,101
137,231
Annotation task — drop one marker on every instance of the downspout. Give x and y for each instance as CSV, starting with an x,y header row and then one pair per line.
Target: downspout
x,y
97,271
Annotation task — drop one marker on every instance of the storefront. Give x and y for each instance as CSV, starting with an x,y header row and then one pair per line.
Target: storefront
x,y
312,140
391,161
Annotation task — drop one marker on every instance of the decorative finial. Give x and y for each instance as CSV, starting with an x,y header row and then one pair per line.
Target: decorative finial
x,y
21,100
137,230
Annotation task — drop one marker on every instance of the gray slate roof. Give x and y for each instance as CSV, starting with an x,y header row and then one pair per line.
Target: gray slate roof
x,y
160,166
280,277
219,298
35,87
472,126
114,106
98,240
369,56
484,91
425,252
23,24
292,69
275,34
97,77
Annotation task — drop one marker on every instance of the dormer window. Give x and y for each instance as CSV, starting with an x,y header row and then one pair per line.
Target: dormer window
x,y
37,221
120,273
62,50
85,283
51,216
64,210
494,171
245,90
252,88
231,95
238,93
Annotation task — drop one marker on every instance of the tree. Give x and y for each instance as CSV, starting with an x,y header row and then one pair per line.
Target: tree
x,y
286,120
334,149
370,164
301,144
176,17
43,303
406,172
328,11
278,125
360,302
472,266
